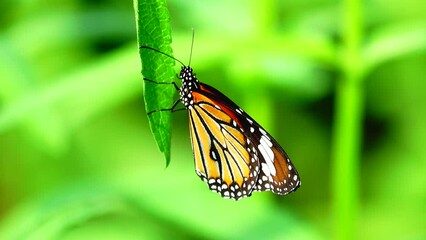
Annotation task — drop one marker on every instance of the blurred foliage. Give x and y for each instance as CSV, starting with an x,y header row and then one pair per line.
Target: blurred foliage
x,y
78,160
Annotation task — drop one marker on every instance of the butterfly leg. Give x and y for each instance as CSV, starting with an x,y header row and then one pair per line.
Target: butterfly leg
x,y
174,84
172,109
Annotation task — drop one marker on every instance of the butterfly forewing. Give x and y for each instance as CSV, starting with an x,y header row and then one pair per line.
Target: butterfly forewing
x,y
220,149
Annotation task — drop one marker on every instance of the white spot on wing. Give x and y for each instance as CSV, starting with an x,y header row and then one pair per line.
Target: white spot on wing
x,y
269,158
234,123
295,177
264,140
265,169
266,144
264,133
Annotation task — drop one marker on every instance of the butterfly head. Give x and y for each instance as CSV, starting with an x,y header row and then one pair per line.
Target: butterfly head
x,y
187,74
189,83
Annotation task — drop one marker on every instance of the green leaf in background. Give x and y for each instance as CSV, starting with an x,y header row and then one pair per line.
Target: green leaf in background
x,y
153,29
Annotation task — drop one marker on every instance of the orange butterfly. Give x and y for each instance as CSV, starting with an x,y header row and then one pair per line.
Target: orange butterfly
x,y
233,154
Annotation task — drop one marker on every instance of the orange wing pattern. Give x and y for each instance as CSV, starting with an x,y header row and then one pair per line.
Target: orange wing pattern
x,y
220,151
233,154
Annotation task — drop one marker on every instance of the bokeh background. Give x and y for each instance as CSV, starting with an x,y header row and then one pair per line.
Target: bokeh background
x,y
78,161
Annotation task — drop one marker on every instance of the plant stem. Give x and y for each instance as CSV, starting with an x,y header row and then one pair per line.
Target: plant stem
x,y
348,126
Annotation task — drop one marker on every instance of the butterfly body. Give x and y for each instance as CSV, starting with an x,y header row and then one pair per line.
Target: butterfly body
x,y
233,154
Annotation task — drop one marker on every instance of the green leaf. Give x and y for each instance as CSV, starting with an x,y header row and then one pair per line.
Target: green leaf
x,y
153,29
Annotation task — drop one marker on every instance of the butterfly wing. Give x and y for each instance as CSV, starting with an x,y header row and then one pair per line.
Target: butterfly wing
x,y
222,158
233,154
277,172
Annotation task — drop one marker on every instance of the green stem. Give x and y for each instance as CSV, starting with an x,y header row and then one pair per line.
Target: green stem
x,y
346,155
348,126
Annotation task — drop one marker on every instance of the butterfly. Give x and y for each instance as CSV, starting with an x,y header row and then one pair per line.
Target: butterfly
x,y
233,154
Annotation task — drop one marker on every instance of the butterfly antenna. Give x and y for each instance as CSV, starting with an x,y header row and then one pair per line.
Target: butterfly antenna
x,y
155,50
192,46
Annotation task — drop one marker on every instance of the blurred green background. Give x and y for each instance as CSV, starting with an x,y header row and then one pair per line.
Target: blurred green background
x,y
78,161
